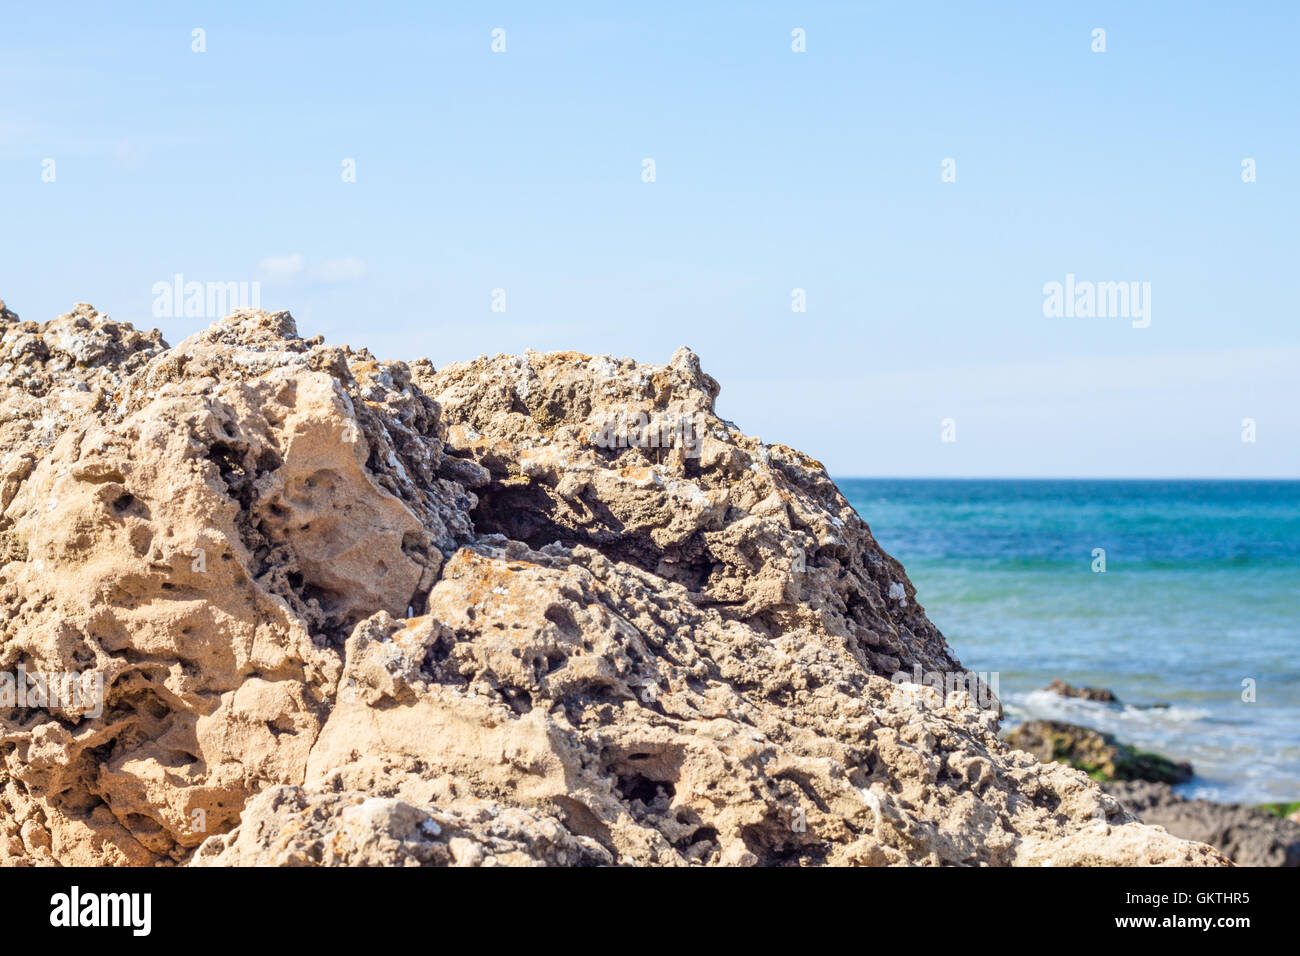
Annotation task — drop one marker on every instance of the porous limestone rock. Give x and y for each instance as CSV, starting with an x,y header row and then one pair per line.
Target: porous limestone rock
x,y
758,532
290,826
361,612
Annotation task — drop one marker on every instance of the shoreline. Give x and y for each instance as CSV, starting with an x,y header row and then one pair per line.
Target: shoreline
x,y
1148,785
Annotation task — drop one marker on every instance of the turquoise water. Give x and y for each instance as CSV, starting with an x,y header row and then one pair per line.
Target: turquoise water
x,y
1201,590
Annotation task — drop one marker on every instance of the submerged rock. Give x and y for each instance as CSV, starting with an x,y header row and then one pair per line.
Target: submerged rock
x,y
1098,694
539,609
1098,755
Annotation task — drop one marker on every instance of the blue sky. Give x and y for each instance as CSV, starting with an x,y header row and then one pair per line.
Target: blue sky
x,y
774,170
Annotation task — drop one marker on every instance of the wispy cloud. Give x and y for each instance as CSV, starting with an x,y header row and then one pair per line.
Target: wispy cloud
x,y
294,269
347,269
280,268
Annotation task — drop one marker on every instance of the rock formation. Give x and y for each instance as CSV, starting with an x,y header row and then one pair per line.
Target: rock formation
x,y
540,609
1097,754
1097,694
1249,836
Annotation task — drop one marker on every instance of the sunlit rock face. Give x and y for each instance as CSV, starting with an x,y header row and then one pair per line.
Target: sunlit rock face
x,y
545,609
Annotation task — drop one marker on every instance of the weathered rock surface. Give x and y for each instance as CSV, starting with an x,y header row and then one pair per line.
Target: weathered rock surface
x,y
1097,754
362,612
1247,835
290,826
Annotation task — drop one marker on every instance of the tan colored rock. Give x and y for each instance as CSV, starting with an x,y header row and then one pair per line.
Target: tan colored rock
x,y
757,531
355,612
154,526
291,826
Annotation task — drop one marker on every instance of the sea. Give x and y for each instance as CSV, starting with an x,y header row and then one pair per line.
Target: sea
x,y
1181,597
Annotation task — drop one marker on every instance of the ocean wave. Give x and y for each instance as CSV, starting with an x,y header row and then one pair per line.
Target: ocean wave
x,y
1047,705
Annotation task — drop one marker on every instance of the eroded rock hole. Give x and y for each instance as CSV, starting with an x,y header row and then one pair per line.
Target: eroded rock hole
x,y
638,787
